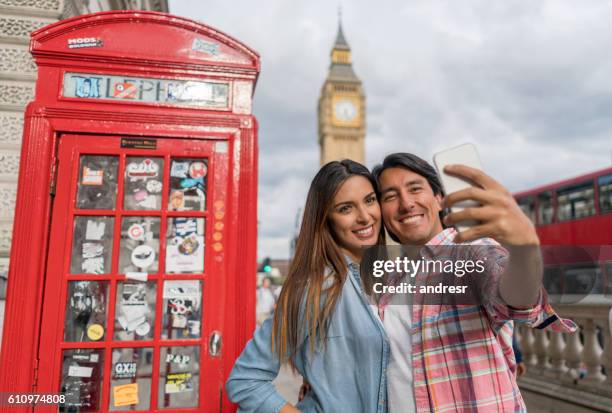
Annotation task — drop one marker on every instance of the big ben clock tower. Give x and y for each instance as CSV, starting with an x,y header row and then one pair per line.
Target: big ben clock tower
x,y
341,108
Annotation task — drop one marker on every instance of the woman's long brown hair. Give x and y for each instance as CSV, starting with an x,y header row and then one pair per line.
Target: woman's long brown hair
x,y
304,306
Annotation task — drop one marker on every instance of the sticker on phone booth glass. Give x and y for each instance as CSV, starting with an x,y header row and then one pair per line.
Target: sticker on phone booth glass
x,y
178,383
95,230
143,183
143,329
177,201
142,170
182,301
187,191
153,186
124,370
95,332
126,395
92,177
92,245
143,256
197,170
97,184
85,310
185,245
79,371
139,248
135,310
179,169
136,232
82,378
130,376
179,374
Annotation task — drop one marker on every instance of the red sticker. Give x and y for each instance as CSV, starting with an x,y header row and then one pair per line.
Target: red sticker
x,y
197,170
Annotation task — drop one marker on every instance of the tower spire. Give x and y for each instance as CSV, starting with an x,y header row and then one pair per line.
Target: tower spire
x,y
341,42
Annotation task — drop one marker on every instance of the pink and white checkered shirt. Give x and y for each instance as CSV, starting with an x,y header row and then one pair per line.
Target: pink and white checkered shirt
x,y
462,356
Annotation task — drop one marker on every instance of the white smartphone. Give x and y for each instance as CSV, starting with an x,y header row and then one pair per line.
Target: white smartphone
x,y
465,154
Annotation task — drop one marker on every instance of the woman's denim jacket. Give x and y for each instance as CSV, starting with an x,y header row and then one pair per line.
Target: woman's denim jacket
x,y
347,375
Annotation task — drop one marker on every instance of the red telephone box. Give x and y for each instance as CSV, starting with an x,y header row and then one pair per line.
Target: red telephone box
x,y
133,262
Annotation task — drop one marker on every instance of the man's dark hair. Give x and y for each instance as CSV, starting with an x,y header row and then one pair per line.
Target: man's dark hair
x,y
412,163
415,164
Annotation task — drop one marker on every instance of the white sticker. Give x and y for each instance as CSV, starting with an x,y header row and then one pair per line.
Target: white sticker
x,y
136,276
92,249
185,255
79,371
94,230
143,170
182,289
93,265
136,232
150,202
178,358
179,321
92,177
130,325
194,327
143,256
179,169
185,226
154,186
94,357
143,329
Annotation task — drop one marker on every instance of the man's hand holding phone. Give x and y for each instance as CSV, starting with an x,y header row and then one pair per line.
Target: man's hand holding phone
x,y
498,215
480,206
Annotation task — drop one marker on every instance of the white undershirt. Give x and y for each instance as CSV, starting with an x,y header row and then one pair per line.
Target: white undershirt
x,y
397,323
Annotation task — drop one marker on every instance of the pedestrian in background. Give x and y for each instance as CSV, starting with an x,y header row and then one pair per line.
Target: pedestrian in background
x,y
266,301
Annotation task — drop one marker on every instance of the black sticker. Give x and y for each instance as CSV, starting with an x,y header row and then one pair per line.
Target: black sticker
x,y
126,370
138,143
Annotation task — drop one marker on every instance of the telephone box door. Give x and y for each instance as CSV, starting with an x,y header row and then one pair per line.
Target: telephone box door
x,y
134,291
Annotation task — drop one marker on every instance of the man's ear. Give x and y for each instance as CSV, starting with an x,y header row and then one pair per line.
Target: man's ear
x,y
439,198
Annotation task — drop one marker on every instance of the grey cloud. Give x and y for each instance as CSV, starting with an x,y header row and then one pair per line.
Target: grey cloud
x,y
528,82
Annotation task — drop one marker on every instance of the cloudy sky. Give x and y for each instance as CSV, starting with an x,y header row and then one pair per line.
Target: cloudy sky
x,y
529,82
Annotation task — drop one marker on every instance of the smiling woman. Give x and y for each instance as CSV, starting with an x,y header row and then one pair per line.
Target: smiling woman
x,y
323,324
355,217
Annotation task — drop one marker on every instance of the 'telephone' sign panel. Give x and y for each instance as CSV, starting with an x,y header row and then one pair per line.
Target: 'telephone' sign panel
x,y
213,95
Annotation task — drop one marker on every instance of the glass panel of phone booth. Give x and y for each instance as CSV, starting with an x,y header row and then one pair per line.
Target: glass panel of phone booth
x,y
139,250
143,183
143,198
97,186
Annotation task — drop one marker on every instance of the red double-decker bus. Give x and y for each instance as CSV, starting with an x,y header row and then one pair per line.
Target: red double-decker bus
x,y
575,213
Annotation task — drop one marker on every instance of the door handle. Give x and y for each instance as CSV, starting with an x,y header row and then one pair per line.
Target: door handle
x,y
215,343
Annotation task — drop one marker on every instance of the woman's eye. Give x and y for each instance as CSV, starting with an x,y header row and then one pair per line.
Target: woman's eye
x,y
344,209
371,200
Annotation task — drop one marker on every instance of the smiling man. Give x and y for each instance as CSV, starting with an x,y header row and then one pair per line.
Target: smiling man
x,y
460,356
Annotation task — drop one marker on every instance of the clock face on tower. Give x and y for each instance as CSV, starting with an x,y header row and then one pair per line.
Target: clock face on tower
x,y
345,110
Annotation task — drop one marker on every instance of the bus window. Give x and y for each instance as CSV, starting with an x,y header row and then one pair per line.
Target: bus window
x,y
575,202
545,210
527,205
608,269
605,193
583,280
553,280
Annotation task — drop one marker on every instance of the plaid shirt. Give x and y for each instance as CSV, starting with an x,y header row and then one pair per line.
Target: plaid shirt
x,y
462,356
